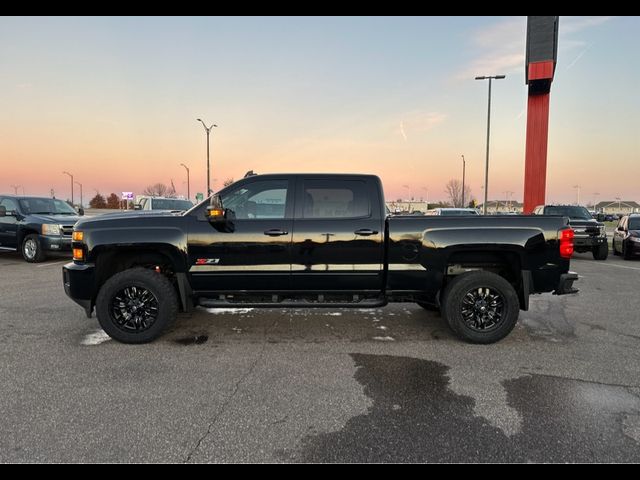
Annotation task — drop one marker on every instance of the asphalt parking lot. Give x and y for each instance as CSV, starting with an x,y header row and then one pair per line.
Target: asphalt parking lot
x,y
389,384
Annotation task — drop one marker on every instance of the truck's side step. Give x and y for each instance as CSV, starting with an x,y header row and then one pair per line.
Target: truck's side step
x,y
277,301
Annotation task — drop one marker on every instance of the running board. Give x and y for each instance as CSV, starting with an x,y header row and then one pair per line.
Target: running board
x,y
278,302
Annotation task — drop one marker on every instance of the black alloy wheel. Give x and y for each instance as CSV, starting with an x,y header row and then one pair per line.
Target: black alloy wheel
x,y
136,305
134,309
482,309
480,306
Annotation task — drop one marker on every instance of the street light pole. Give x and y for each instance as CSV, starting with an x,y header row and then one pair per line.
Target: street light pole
x,y
578,194
208,130
188,188
80,194
464,166
67,173
426,190
15,189
486,168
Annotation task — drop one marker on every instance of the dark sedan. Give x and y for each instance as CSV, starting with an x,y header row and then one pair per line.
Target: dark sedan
x,y
626,237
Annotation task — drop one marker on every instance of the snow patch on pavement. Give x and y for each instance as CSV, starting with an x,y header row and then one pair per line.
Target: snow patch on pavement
x,y
95,338
232,311
384,339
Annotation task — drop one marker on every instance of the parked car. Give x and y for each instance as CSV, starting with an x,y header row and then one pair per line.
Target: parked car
x,y
323,240
450,212
163,203
626,237
35,226
590,235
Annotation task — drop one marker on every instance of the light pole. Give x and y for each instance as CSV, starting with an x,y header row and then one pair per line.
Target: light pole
x,y
426,190
80,193
486,168
208,130
464,166
188,188
578,187
67,173
595,199
15,189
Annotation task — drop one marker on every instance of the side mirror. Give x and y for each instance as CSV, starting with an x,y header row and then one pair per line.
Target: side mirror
x,y
218,216
137,206
3,211
215,215
81,211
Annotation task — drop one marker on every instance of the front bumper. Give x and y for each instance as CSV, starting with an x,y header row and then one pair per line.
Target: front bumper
x,y
588,241
55,244
79,284
565,286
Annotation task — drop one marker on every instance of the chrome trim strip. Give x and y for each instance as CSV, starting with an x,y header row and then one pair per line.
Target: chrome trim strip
x,y
406,267
283,267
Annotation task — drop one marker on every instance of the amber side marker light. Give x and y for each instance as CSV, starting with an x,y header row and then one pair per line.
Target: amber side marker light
x,y
77,236
78,254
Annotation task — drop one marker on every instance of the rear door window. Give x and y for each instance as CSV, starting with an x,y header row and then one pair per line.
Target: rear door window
x,y
335,199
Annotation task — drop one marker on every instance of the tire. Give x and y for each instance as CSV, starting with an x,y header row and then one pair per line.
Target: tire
x,y
429,307
601,252
139,290
625,252
485,290
32,249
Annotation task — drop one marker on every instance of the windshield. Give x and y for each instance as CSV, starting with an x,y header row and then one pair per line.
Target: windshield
x,y
170,204
574,213
634,224
50,206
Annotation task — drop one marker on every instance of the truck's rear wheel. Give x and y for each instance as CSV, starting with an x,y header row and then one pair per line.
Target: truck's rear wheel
x,y
601,252
480,307
136,305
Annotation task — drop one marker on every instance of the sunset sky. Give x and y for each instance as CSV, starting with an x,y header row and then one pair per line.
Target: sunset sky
x,y
115,100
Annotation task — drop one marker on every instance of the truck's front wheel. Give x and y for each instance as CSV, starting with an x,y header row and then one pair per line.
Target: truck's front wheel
x,y
601,252
480,307
136,305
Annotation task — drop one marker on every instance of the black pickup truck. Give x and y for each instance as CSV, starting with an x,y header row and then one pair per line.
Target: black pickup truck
x,y
590,235
313,240
35,226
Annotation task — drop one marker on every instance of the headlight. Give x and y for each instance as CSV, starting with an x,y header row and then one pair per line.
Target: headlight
x,y
50,229
635,239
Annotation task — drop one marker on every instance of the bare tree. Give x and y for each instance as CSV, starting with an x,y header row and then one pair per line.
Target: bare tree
x,y
159,190
453,189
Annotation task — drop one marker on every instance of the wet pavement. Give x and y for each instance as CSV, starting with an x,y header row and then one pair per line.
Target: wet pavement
x,y
301,385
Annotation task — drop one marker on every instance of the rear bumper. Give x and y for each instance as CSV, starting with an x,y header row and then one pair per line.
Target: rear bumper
x,y
565,286
79,281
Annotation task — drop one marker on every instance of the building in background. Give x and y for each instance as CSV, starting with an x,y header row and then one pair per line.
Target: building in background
x,y
502,206
616,207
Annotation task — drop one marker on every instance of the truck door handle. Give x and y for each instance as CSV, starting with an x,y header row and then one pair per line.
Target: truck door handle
x,y
365,232
275,232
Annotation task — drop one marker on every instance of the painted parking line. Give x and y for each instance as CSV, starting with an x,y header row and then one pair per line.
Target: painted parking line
x,y
52,264
612,265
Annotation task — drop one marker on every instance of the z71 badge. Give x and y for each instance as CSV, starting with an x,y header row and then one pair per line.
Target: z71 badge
x,y
207,261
